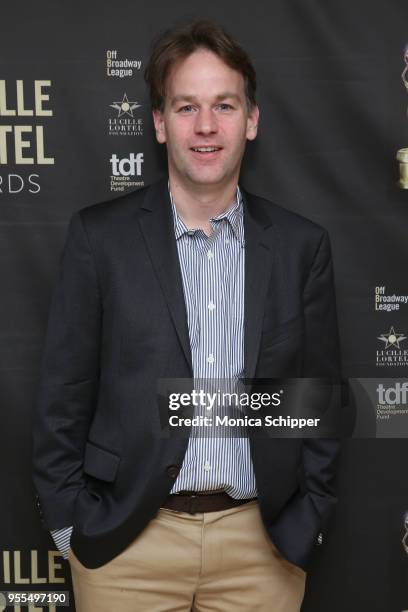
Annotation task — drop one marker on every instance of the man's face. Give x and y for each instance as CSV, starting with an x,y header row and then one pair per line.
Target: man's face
x,y
205,122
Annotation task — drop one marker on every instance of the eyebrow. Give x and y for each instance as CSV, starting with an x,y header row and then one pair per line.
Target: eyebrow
x,y
188,98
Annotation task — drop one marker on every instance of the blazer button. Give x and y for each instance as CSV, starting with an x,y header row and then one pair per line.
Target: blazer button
x,y
173,471
38,504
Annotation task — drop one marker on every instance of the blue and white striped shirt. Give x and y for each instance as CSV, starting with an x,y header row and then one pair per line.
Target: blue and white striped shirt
x,y
212,269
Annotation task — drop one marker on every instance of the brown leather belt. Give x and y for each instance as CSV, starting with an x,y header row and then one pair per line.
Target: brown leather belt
x,y
192,502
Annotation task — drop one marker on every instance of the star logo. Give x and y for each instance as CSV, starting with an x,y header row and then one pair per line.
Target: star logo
x,y
125,107
392,339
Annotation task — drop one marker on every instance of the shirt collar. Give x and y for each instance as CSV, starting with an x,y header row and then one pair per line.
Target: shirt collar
x,y
234,216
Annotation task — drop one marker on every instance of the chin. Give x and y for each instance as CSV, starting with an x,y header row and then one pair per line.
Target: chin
x,y
207,178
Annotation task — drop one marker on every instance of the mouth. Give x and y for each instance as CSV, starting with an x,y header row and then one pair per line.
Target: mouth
x,y
208,151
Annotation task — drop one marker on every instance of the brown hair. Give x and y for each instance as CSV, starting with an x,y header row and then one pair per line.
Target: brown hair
x,y
178,43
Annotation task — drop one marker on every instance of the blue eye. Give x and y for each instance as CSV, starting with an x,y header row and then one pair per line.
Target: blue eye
x,y
225,106
185,109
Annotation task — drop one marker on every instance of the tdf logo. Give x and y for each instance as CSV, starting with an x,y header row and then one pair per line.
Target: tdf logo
x,y
127,166
393,395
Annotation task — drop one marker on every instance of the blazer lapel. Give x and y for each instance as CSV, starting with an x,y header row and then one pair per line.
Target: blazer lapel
x,y
158,231
259,266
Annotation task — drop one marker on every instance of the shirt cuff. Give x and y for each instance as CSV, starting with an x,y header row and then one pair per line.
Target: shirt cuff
x,y
62,538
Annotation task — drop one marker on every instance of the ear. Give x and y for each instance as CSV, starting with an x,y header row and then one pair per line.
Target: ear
x,y
159,126
252,123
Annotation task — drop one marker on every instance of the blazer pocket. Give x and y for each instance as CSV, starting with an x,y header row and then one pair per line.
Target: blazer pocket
x,y
100,463
293,327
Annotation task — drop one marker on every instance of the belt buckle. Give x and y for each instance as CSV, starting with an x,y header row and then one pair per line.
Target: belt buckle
x,y
192,504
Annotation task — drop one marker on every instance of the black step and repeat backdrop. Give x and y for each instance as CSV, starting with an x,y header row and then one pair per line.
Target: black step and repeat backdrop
x,y
75,129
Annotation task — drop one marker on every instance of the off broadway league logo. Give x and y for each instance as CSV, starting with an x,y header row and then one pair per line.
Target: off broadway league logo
x,y
392,354
392,338
125,107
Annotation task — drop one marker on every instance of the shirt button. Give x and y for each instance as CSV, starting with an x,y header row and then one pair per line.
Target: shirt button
x,y
207,466
227,241
210,358
211,306
210,254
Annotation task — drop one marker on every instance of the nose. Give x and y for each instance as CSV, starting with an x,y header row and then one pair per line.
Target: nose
x,y
206,122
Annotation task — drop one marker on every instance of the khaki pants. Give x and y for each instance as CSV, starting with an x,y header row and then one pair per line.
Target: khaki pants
x,y
207,562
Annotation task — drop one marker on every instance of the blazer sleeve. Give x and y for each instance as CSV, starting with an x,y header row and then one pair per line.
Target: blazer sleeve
x,y
306,515
69,378
321,360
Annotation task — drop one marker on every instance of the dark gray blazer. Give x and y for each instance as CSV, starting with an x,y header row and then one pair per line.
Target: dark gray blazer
x,y
118,323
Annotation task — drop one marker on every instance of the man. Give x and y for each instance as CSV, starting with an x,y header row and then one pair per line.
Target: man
x,y
190,278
